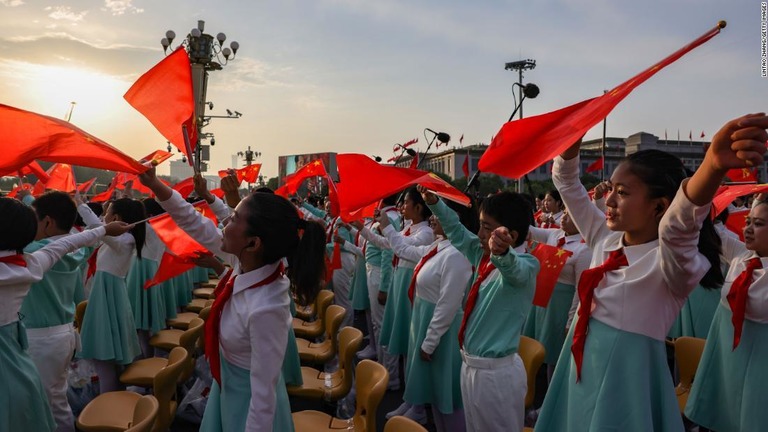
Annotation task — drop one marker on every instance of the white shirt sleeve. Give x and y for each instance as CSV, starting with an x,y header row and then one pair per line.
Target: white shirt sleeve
x,y
220,209
41,260
374,238
193,223
89,217
401,247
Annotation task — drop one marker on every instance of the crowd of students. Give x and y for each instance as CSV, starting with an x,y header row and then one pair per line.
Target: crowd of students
x,y
445,288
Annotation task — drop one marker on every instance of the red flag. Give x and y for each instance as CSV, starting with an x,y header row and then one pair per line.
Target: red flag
x,y
164,96
690,135
461,140
32,168
737,221
104,196
702,134
249,174
15,191
465,166
741,175
83,187
522,145
596,165
185,187
218,192
363,181
157,157
414,162
365,212
170,267
551,259
726,194
312,169
39,189
62,178
39,137
410,143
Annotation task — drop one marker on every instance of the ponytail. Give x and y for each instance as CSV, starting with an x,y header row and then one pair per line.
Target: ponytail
x,y
132,211
710,246
307,266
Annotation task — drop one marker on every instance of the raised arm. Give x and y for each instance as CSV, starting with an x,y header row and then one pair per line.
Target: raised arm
x,y
460,237
402,248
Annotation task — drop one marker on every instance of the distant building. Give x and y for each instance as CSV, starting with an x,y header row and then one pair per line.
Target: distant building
x,y
450,162
181,170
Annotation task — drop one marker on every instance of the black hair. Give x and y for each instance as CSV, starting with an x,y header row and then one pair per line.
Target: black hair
x,y
18,225
467,215
276,222
59,206
390,200
151,207
263,189
416,198
98,208
131,211
663,173
510,210
540,196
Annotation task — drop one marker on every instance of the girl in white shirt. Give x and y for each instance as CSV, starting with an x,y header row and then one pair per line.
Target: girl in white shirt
x,y
23,404
730,386
646,261
109,331
247,331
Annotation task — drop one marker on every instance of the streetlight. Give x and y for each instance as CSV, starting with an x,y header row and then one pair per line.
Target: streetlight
x,y
206,53
249,155
529,90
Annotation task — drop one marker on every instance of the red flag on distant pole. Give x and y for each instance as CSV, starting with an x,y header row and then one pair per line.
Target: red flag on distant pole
x,y
84,186
38,137
249,174
552,260
702,134
522,145
465,166
164,96
596,165
410,143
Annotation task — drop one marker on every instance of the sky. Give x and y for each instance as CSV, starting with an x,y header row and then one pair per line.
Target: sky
x,y
356,76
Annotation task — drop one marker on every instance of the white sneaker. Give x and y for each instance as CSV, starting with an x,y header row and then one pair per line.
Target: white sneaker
x,y
417,413
402,409
368,353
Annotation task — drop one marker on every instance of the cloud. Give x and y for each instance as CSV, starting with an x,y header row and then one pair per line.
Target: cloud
x,y
65,13
119,7
11,3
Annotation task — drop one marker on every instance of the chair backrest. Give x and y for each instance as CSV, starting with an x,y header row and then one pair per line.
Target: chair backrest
x,y
334,315
164,387
189,338
203,315
402,424
144,415
350,340
80,314
370,384
323,300
532,353
688,352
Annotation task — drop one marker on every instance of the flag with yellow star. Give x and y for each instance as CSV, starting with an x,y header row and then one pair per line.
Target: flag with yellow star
x,y
551,260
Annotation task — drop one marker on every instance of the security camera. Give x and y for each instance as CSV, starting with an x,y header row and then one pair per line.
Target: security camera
x,y
213,141
229,113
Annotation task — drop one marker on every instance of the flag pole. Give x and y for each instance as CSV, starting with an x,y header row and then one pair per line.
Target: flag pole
x,y
602,147
188,147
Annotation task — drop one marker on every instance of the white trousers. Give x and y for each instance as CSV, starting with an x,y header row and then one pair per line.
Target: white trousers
x,y
342,283
51,349
373,275
493,391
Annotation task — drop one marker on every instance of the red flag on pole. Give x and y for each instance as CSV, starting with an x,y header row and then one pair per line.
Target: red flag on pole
x,y
414,162
596,165
39,137
552,260
461,140
249,174
312,169
33,168
164,96
702,134
62,178
465,166
522,145
726,194
184,187
84,186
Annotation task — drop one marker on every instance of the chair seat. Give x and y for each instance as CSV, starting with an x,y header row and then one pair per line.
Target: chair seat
x,y
203,293
142,372
181,321
196,305
314,385
307,330
166,339
305,313
112,411
315,352
210,284
319,421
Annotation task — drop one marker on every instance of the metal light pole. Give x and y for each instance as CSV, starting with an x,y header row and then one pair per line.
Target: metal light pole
x,y
249,155
206,53
520,66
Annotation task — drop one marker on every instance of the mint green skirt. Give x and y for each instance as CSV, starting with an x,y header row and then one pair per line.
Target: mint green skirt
x,y
359,292
109,332
396,324
437,382
697,313
731,386
23,404
547,325
148,305
625,386
227,408
199,275
292,361
184,286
